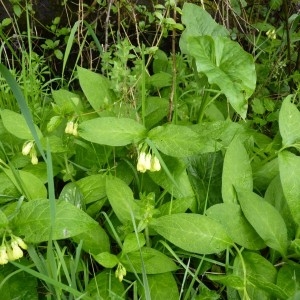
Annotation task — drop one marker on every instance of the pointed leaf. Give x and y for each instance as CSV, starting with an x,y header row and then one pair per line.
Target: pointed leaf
x,y
192,232
237,172
289,122
112,131
236,225
289,167
226,65
265,219
121,199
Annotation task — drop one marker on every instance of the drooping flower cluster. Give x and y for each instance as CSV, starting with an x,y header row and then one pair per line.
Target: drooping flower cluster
x,y
120,272
29,149
271,34
71,128
147,161
12,250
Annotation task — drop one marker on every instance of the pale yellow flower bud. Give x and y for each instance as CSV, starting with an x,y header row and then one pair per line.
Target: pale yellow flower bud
x,y
70,127
21,243
16,250
141,165
120,272
27,146
3,255
75,127
155,164
148,161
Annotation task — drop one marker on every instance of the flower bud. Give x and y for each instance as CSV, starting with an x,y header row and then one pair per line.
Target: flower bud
x,y
21,243
3,255
120,272
16,250
75,127
27,146
148,161
34,159
141,165
70,127
155,164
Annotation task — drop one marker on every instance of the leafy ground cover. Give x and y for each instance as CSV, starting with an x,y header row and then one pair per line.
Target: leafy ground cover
x,y
129,171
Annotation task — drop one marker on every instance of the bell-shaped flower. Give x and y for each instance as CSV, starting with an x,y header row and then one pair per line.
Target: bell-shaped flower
x,y
16,250
120,272
155,164
20,242
3,255
70,127
27,146
148,161
33,156
141,164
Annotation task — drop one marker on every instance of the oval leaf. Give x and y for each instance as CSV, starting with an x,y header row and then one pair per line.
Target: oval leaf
x,y
112,131
265,219
193,232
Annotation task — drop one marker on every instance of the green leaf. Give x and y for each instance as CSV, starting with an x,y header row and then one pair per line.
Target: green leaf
x,y
193,232
15,124
96,88
156,110
33,221
265,219
237,172
27,184
112,131
92,187
121,199
106,259
3,219
235,224
289,167
162,286
275,4
288,279
176,140
233,281
95,239
198,22
131,243
152,260
289,122
105,285
226,65
176,206
67,102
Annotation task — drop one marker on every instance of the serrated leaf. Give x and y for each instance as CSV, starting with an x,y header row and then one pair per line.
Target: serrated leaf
x,y
265,219
112,131
289,167
236,225
33,221
176,140
289,122
121,199
154,261
193,232
16,124
237,172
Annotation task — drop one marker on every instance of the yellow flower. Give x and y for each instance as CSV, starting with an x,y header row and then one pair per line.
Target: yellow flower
x,y
21,243
16,250
27,146
3,255
70,127
120,272
141,165
155,164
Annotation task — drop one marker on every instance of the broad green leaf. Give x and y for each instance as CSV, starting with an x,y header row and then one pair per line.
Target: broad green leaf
x,y
19,286
226,65
133,242
95,239
106,259
228,280
260,275
274,195
178,170
236,226
154,261
193,232
96,88
8,190
198,22
176,206
237,172
289,167
33,221
67,102
112,131
56,144
288,279
121,199
105,285
176,140
265,219
28,184
92,187
289,122
156,110
3,219
162,286
15,124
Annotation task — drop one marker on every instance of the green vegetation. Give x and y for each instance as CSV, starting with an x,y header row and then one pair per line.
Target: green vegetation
x,y
157,160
